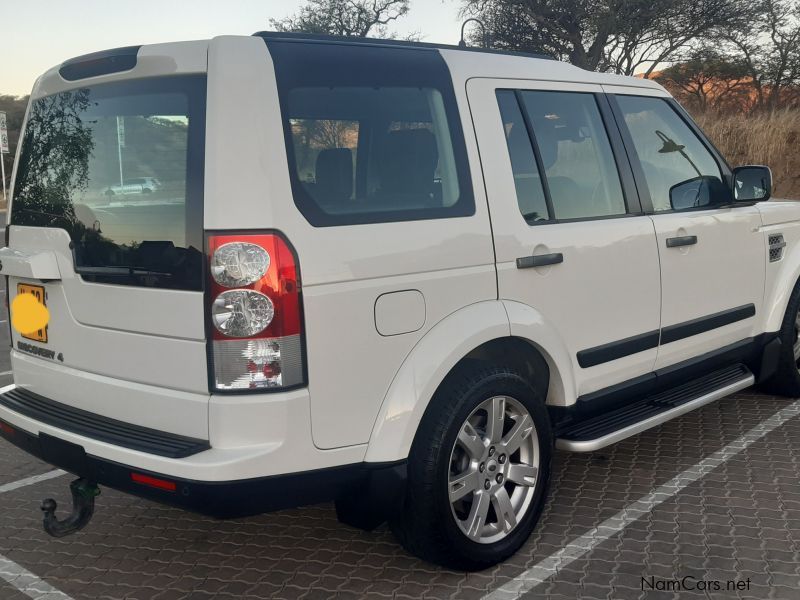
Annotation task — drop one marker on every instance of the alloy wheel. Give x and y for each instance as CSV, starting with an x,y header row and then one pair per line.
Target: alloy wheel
x,y
494,468
796,345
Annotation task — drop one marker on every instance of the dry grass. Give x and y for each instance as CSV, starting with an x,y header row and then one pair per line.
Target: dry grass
x,y
767,139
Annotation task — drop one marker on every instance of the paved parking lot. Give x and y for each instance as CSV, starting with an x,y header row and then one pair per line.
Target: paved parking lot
x,y
706,506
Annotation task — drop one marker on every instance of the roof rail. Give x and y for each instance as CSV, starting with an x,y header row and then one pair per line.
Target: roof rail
x,y
318,38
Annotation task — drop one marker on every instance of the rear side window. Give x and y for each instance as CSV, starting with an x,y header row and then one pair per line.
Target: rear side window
x,y
576,154
673,158
561,157
372,134
527,180
120,166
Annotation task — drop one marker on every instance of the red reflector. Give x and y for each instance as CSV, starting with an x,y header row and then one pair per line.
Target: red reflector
x,y
153,482
7,429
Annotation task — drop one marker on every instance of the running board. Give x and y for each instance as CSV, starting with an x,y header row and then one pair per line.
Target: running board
x,y
640,415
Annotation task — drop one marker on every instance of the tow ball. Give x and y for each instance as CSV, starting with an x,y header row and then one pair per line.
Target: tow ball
x,y
83,494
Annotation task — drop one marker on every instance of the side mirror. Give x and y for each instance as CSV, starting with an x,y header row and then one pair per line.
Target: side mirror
x,y
752,183
701,191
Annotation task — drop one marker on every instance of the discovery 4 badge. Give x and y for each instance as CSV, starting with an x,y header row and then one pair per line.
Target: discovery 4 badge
x,y
38,351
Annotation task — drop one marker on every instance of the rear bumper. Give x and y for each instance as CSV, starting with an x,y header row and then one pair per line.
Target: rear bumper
x,y
220,482
222,499
243,436
281,470
97,427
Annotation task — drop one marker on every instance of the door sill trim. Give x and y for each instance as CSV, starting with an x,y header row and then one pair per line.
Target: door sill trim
x,y
653,421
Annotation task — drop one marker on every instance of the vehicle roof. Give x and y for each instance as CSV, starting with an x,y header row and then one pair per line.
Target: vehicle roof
x,y
367,41
475,61
464,62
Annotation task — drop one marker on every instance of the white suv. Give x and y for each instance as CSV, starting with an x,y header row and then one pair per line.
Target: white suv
x,y
391,274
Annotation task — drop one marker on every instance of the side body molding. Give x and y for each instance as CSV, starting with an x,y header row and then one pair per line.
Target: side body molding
x,y
441,349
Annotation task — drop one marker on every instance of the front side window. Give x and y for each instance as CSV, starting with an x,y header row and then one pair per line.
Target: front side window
x,y
119,167
372,134
679,170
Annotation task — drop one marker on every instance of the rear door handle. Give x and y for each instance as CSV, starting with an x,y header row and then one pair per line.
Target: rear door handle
x,y
684,240
539,260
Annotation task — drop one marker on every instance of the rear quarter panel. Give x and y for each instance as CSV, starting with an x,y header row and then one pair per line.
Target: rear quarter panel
x,y
344,269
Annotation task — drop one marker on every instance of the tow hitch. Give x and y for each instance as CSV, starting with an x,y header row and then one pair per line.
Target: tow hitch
x,y
83,494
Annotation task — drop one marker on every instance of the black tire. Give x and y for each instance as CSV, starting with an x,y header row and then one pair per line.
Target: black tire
x,y
426,525
786,380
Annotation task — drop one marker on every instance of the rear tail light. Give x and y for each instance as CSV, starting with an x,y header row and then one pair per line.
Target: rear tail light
x,y
255,313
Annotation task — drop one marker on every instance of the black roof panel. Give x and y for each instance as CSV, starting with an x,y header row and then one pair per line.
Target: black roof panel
x,y
315,38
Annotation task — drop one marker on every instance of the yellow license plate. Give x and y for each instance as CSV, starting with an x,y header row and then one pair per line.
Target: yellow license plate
x,y
40,335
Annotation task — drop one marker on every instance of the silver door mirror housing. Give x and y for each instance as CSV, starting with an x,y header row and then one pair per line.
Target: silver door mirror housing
x,y
752,183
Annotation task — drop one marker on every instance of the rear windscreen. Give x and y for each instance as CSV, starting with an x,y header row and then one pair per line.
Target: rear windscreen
x,y
119,166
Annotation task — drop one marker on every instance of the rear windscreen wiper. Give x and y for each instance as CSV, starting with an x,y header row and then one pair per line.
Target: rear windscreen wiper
x,y
120,272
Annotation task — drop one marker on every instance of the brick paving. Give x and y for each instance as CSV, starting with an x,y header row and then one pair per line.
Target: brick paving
x,y
7,592
740,521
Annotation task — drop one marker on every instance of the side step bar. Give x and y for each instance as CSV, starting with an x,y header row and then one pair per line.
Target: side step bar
x,y
640,415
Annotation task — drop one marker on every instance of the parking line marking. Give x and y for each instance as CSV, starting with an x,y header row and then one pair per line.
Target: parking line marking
x,y
19,577
28,583
15,485
584,544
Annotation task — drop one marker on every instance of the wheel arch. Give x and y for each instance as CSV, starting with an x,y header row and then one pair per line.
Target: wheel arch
x,y
449,344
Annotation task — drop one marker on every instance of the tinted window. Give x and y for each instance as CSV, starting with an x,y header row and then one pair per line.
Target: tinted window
x,y
528,183
580,170
119,166
397,139
670,153
372,134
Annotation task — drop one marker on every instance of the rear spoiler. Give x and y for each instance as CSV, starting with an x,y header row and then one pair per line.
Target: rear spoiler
x,y
100,63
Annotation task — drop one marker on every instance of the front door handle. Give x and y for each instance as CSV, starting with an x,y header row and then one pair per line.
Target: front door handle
x,y
539,260
684,240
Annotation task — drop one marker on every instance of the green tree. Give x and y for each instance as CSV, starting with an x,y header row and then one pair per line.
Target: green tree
x,y
707,79
54,161
767,43
359,18
623,36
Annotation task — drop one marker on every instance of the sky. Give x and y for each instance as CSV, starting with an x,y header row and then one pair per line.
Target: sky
x,y
38,34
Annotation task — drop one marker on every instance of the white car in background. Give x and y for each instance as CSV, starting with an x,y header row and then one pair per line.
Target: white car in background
x,y
138,185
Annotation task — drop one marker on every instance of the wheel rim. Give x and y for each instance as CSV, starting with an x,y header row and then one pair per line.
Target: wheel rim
x,y
796,346
494,468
